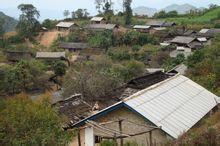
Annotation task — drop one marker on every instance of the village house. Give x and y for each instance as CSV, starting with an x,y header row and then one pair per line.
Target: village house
x,y
152,116
73,47
17,55
142,28
185,45
157,23
161,31
66,26
98,20
208,33
101,27
51,55
190,33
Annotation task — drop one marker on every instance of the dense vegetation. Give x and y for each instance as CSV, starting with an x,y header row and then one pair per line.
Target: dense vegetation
x,y
204,66
25,122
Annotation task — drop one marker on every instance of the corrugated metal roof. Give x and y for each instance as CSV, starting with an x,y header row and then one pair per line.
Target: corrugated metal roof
x,y
97,19
175,104
141,27
50,54
204,30
65,24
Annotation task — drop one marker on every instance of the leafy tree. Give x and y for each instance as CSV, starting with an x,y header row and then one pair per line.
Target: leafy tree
x,y
28,24
91,79
59,68
128,11
161,14
49,24
24,76
101,39
73,14
104,5
198,56
1,28
81,13
66,13
25,122
172,14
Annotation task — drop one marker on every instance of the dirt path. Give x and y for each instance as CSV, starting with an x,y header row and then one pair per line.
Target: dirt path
x,y
47,38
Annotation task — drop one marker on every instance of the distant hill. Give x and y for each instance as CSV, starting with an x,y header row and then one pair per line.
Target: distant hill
x,y
181,9
9,22
144,11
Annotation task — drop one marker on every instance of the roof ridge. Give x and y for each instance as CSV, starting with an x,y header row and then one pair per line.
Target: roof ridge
x,y
150,88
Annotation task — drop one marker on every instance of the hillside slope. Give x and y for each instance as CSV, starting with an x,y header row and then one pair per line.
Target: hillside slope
x,y
9,22
204,19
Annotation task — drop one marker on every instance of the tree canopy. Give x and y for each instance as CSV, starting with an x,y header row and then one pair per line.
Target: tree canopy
x,y
28,24
27,122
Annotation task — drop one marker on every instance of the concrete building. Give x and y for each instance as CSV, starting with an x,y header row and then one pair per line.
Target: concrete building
x,y
155,115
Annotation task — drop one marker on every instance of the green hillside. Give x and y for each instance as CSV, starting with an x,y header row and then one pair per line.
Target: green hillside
x,y
9,22
204,19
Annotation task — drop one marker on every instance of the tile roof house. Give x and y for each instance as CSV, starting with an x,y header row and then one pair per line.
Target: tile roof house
x,y
71,46
167,109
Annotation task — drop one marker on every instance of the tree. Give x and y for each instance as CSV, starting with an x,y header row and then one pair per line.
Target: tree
x,y
105,5
49,24
28,24
24,76
27,122
73,14
81,13
128,11
91,79
161,14
59,68
1,28
101,39
66,13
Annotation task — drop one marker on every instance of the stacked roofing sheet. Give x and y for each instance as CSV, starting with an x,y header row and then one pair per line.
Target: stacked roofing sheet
x,y
176,104
141,27
52,55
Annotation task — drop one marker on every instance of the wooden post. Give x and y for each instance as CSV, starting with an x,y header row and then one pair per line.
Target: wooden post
x,y
79,140
120,129
151,142
115,138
